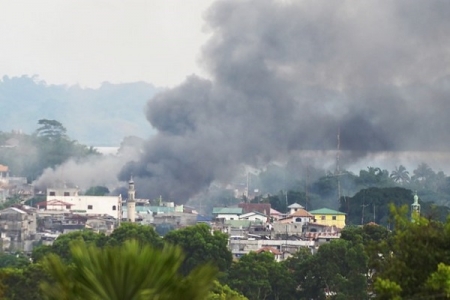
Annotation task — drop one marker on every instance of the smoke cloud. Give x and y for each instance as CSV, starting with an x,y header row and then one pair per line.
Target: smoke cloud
x,y
285,75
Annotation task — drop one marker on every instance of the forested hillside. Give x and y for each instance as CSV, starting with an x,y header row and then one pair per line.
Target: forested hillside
x,y
97,117
28,155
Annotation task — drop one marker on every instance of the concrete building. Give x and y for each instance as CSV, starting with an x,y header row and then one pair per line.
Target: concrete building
x,y
227,213
89,205
17,228
329,217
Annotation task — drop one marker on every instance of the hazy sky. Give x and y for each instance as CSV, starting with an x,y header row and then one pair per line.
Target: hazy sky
x,y
92,41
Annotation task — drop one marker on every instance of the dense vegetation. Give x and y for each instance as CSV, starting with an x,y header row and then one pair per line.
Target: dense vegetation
x,y
409,262
49,146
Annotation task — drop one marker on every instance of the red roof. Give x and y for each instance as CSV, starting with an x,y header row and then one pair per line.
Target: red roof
x,y
272,250
301,213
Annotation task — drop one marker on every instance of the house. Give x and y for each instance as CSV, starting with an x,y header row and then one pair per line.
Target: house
x,y
253,216
17,228
275,215
227,213
297,215
276,253
294,207
263,208
329,217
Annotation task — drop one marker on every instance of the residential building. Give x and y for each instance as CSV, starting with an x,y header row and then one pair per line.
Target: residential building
x,y
17,228
227,213
329,217
254,216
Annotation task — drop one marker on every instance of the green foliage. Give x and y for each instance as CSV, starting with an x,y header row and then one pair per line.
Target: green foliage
x,y
338,267
131,271
97,191
387,290
61,246
411,256
259,276
145,235
224,292
439,281
47,148
19,284
10,201
51,129
200,245
17,260
372,205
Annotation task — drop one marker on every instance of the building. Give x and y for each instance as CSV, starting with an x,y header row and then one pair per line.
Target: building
x,y
90,205
131,202
227,213
253,216
17,228
329,217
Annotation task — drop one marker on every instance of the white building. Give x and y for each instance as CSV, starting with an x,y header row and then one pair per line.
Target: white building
x,y
90,205
253,216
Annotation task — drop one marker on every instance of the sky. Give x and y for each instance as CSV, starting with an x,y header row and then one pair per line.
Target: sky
x,y
88,42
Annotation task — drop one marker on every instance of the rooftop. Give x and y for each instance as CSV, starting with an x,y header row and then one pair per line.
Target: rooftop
x,y
227,210
326,211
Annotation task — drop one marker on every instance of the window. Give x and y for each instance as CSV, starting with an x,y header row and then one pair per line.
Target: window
x,y
66,194
298,219
67,206
334,218
52,194
89,206
114,207
322,217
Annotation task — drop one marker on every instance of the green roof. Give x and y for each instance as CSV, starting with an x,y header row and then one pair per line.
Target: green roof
x,y
326,211
227,210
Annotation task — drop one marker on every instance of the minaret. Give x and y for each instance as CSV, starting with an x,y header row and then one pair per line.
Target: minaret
x,y
415,207
131,203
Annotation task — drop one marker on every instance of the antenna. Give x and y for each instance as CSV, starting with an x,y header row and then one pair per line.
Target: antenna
x,y
306,187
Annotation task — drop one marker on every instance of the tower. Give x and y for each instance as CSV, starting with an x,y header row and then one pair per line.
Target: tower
x,y
131,202
415,207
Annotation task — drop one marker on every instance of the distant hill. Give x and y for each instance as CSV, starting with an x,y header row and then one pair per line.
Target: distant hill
x,y
97,117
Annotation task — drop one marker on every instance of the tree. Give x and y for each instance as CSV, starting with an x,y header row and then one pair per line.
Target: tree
x,y
51,129
144,234
97,191
131,271
250,275
411,255
17,260
22,283
400,175
61,246
200,246
338,268
224,292
422,173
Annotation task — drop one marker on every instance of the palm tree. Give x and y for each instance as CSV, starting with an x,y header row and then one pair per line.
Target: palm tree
x,y
400,174
423,172
127,272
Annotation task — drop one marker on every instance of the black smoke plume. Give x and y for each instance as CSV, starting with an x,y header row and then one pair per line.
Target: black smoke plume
x,y
285,75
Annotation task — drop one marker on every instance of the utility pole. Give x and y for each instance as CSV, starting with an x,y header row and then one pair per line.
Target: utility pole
x,y
373,204
338,169
306,187
362,215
